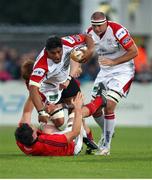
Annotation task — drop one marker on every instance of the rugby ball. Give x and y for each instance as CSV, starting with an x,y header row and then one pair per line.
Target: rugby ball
x,y
77,53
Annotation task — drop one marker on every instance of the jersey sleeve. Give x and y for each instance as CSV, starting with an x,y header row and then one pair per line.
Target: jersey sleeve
x,y
88,30
122,35
39,71
23,148
73,40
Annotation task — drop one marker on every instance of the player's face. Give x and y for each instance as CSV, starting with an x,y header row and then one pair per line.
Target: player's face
x,y
99,29
55,54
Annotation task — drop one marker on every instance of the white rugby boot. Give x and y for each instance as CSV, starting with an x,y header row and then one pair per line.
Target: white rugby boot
x,y
100,142
104,151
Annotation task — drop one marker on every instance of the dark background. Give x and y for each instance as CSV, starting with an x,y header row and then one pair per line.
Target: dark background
x,y
39,12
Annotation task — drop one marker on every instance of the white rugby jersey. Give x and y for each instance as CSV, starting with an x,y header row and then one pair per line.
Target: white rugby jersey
x,y
114,43
46,71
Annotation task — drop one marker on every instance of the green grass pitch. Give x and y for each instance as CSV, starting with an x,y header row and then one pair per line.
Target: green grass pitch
x,y
131,157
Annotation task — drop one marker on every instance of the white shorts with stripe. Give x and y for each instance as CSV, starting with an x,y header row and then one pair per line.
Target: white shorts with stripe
x,y
119,82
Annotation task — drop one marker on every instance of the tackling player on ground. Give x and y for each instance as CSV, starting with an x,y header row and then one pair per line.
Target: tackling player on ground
x,y
33,141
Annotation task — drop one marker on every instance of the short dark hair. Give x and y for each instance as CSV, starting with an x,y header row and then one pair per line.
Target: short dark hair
x,y
53,42
23,134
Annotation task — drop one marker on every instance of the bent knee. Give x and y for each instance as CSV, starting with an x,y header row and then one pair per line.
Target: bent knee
x,y
110,108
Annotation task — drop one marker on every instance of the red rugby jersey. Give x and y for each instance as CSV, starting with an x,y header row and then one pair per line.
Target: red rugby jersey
x,y
49,145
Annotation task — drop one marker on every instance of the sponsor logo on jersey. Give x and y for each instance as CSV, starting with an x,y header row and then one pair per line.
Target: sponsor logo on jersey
x,y
121,33
77,38
38,72
69,39
126,40
53,97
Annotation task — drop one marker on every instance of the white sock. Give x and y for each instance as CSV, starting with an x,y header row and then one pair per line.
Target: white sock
x,y
83,132
109,125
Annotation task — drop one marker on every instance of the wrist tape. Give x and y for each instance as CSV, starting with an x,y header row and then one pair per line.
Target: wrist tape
x,y
43,113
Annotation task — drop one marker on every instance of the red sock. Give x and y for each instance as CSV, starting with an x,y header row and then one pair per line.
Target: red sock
x,y
94,105
90,135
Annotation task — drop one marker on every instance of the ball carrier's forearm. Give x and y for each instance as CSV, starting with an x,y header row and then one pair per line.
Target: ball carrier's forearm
x,y
90,44
36,98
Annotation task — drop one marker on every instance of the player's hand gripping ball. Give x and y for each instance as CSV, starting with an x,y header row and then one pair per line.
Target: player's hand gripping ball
x,y
77,53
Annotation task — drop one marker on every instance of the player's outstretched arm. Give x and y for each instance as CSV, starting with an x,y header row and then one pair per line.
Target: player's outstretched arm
x,y
77,103
27,111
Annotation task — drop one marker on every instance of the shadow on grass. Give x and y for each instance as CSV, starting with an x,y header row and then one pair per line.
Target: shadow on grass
x,y
11,155
15,155
88,158
108,159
